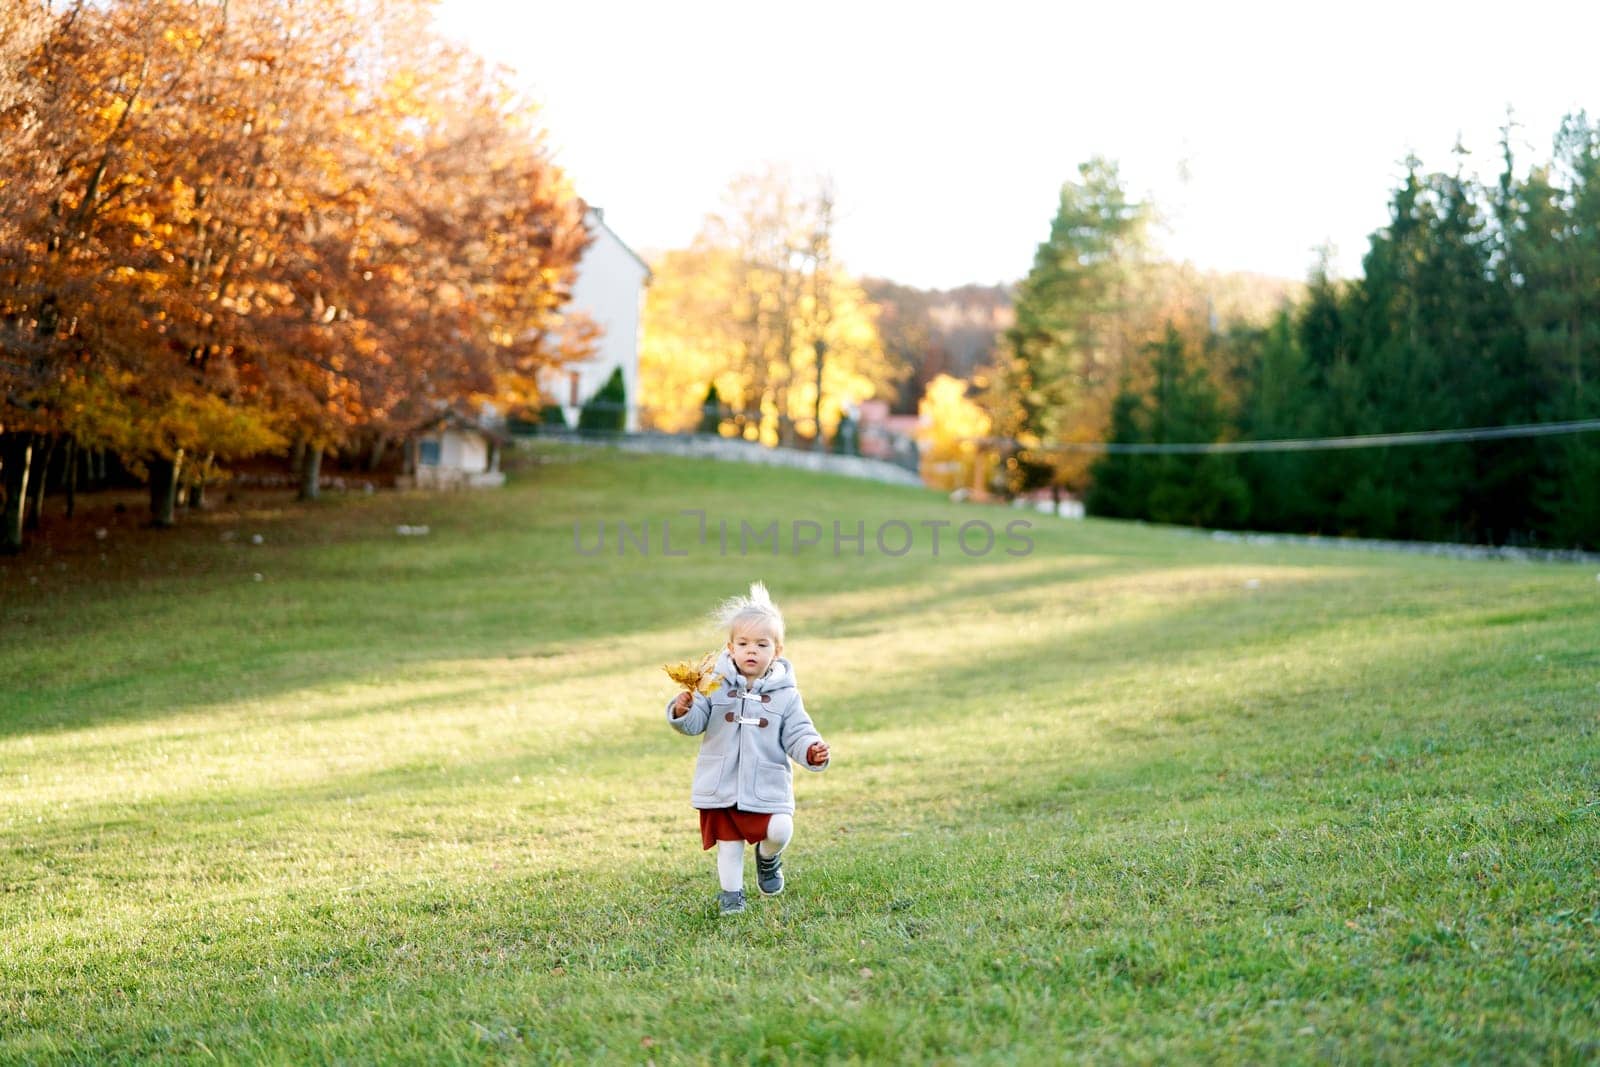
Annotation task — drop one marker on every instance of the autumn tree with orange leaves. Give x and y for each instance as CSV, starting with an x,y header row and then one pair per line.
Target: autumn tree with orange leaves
x,y
228,228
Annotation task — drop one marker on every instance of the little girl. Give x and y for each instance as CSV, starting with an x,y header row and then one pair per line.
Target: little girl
x,y
753,724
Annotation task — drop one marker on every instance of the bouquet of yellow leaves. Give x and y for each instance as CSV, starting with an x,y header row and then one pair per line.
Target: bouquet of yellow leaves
x,y
695,677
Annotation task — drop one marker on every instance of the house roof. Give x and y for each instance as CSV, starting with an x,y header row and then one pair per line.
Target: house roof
x,y
598,216
454,420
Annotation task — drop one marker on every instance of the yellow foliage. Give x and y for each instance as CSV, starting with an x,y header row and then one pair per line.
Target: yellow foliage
x,y
710,319
111,411
687,339
949,435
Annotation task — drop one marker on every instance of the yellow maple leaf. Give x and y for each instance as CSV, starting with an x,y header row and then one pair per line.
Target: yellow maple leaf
x,y
695,677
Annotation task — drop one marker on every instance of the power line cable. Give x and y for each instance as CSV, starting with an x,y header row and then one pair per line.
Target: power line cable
x,y
1323,444
1298,444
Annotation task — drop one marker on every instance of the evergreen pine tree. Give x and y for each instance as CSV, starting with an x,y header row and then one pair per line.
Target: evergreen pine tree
x,y
1064,350
607,410
1119,483
1201,489
1278,404
710,411
1552,261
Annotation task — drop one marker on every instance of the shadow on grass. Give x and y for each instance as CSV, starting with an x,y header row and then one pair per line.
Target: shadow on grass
x,y
516,936
204,644
1101,654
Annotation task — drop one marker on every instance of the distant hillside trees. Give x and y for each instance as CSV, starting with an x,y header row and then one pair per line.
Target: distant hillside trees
x,y
937,332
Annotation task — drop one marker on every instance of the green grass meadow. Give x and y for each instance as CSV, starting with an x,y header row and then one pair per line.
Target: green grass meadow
x,y
1137,796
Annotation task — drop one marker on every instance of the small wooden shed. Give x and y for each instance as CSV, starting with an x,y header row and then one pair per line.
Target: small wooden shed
x,y
452,451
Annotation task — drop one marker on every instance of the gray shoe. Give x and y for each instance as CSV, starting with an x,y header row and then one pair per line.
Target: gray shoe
x,y
732,903
769,874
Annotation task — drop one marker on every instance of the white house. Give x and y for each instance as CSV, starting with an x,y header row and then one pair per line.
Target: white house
x,y
609,289
453,452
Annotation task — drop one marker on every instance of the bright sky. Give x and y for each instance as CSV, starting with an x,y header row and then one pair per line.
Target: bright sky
x,y
1261,130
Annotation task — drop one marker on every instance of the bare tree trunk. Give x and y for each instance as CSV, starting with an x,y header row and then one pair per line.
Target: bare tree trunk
x,y
71,473
820,441
44,452
821,309
380,446
197,493
785,358
164,474
311,473
16,457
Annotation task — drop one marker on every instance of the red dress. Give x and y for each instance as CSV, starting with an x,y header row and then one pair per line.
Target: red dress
x,y
732,824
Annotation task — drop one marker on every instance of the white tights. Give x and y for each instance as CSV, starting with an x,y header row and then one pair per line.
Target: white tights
x,y
730,854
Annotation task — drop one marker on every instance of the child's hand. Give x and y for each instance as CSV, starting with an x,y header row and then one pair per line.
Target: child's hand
x,y
817,754
680,707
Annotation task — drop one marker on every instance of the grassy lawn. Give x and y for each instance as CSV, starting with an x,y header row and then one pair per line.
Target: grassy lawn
x,y
1135,796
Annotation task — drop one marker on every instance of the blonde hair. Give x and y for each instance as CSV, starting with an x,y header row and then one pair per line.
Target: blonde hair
x,y
744,612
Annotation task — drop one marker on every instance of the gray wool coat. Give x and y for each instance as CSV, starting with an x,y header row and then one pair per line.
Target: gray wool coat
x,y
745,763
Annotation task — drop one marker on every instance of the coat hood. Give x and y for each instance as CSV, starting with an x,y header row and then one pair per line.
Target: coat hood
x,y
779,676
